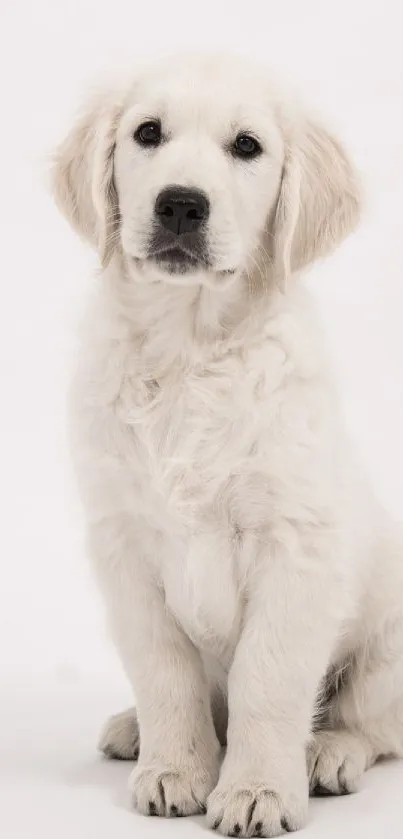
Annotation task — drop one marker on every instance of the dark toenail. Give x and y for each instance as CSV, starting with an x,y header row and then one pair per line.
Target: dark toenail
x,y
285,825
342,784
110,753
136,754
216,824
237,829
321,791
152,808
174,810
258,828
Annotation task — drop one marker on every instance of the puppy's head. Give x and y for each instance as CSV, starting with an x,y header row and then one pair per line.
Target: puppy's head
x,y
199,167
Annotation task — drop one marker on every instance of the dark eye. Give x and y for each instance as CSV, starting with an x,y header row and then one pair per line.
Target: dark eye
x,y
246,146
149,133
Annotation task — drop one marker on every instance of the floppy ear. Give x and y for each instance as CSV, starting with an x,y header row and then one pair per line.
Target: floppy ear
x,y
319,199
83,184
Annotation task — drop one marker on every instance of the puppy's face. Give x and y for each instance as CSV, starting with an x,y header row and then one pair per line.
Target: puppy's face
x,y
197,167
199,170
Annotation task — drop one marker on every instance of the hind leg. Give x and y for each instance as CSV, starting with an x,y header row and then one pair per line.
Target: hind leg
x,y
337,759
364,720
120,736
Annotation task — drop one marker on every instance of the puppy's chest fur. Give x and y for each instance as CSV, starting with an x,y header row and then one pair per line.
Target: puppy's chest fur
x,y
198,433
198,446
194,454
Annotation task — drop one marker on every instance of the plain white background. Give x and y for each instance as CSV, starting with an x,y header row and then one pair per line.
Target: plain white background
x,y
58,674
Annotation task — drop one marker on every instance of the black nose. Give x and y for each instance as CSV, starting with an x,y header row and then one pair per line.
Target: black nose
x,y
181,210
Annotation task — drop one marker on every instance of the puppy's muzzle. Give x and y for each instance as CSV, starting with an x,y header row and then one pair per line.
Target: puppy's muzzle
x,y
179,238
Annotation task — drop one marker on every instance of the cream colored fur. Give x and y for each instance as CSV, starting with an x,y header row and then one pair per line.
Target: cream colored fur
x,y
238,547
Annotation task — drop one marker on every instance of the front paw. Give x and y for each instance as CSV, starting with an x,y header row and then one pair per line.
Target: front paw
x,y
169,790
256,807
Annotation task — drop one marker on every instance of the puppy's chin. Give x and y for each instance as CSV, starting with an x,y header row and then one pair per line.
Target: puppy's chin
x,y
177,268
177,262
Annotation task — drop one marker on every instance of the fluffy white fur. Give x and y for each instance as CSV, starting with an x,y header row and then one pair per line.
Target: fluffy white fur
x,y
241,555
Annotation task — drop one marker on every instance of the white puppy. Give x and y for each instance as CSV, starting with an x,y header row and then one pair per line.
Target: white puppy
x,y
240,553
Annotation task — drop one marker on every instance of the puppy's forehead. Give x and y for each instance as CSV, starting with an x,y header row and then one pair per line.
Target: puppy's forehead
x,y
215,93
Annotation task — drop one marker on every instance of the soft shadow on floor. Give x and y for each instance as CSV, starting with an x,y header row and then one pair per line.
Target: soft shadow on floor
x,y
113,775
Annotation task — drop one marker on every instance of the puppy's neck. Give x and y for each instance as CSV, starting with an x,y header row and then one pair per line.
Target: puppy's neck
x,y
182,325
